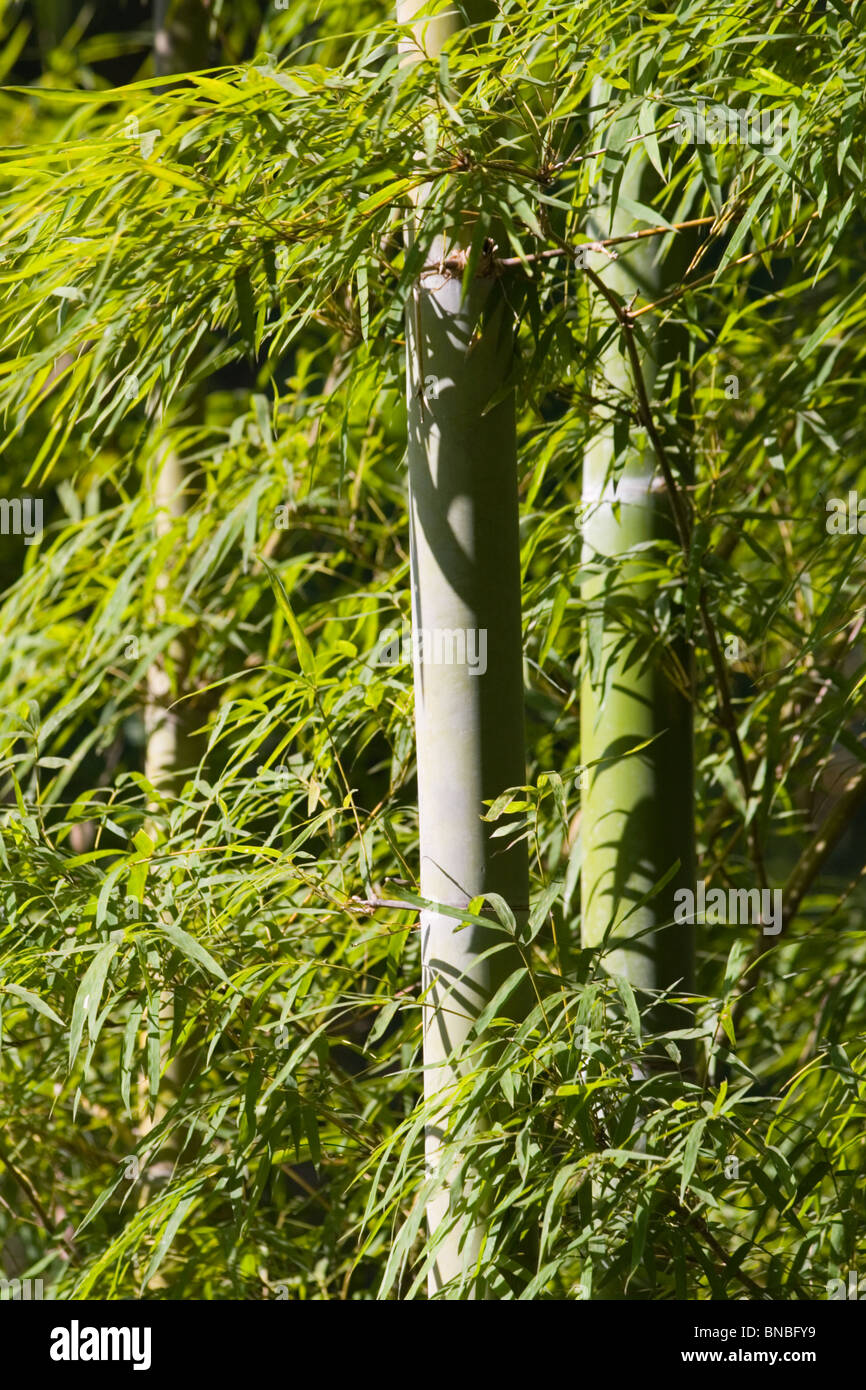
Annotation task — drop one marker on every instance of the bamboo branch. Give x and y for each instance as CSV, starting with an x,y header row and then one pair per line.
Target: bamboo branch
x,y
822,843
32,1196
711,275
799,882
513,262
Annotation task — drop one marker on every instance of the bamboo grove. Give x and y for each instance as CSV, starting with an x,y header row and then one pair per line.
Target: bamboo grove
x,y
432,765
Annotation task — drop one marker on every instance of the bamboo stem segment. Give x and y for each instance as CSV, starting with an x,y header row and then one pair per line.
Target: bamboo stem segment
x,y
465,565
638,806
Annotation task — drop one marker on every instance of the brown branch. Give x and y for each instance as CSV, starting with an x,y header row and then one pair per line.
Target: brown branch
x,y
490,264
371,904
45,1221
659,231
799,882
554,169
823,841
695,1224
29,1191
711,275
514,262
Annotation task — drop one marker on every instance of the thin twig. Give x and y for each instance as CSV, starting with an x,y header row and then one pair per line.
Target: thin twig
x,y
513,262
371,904
711,275
32,1195
821,844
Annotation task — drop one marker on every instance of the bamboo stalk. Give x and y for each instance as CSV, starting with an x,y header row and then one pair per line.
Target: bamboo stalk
x,y
180,42
172,749
465,565
180,45
638,808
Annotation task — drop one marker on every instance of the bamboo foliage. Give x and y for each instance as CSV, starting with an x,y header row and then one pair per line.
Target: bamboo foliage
x,y
256,252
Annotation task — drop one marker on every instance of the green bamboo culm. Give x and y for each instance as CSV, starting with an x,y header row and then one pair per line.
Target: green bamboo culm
x,y
181,37
53,21
637,819
175,746
469,716
180,44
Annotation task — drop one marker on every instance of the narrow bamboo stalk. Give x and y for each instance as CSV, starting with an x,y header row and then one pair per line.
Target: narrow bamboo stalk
x,y
172,749
180,44
53,22
638,808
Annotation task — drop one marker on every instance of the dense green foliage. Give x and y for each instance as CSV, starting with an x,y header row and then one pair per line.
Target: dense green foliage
x,y
211,1004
